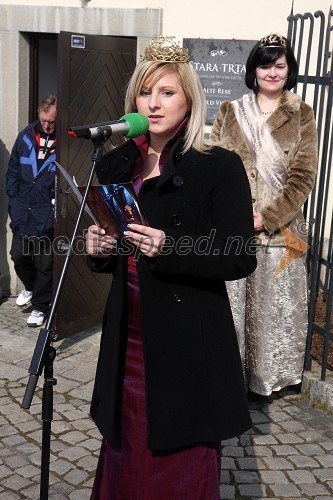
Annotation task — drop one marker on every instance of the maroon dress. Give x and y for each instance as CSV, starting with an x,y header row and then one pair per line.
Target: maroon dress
x,y
128,470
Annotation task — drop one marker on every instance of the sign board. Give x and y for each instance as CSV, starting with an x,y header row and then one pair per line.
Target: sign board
x,y
220,65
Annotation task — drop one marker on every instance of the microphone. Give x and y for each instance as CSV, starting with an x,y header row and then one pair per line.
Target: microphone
x,y
129,125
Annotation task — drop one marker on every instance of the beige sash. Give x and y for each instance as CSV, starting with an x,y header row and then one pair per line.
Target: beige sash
x,y
268,159
267,154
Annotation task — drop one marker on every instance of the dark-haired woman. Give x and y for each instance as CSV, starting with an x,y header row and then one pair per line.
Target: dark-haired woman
x,y
274,133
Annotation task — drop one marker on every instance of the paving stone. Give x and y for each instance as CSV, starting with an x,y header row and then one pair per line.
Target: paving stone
x,y
245,440
310,435
301,461
73,453
14,461
323,497
289,438
5,472
268,428
14,440
286,490
310,449
263,440
304,404
301,476
81,494
85,424
7,430
277,463
228,463
73,437
328,445
293,410
225,477
252,490
324,474
244,477
259,418
259,451
250,463
314,489
93,444
88,463
76,476
325,460
28,471
232,451
285,449
61,467
273,477
227,491
279,416
15,482
292,426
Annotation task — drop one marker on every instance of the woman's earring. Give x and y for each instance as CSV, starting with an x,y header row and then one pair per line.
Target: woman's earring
x,y
285,81
255,84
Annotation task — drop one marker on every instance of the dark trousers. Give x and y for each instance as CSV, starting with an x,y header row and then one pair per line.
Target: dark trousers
x,y
33,264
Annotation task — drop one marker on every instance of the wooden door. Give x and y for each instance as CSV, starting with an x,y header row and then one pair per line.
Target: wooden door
x,y
92,75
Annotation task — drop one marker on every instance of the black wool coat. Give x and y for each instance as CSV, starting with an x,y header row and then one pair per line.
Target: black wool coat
x,y
195,390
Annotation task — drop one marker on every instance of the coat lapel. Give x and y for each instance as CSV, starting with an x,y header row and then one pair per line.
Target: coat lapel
x,y
169,170
290,103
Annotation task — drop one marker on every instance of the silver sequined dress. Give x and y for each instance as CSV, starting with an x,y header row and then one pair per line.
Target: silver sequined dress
x,y
271,334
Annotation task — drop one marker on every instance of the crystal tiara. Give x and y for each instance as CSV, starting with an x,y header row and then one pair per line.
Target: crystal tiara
x,y
165,49
273,40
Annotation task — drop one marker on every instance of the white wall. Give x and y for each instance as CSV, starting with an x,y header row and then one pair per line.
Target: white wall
x,y
244,19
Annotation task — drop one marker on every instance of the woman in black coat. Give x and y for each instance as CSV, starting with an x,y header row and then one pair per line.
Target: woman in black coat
x,y
169,384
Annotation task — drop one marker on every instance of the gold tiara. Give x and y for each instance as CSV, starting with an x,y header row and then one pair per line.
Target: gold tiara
x,y
273,40
164,49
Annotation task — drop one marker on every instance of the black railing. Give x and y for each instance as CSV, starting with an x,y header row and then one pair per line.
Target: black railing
x,y
315,85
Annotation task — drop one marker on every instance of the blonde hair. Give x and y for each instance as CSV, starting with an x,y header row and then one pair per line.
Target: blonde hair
x,y
150,72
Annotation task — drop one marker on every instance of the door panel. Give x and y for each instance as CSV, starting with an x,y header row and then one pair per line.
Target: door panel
x,y
91,88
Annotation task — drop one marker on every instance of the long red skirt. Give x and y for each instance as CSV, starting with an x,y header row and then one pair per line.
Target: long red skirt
x,y
129,471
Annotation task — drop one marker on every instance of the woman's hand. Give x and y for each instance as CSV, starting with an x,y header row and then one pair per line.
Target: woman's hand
x,y
257,220
147,239
99,244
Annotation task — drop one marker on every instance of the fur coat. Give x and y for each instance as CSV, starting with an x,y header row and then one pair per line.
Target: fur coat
x,y
293,126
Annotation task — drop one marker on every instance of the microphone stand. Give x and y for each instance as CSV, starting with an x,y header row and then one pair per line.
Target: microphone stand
x,y
44,354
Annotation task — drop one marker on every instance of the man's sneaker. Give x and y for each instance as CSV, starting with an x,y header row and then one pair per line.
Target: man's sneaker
x,y
24,298
36,318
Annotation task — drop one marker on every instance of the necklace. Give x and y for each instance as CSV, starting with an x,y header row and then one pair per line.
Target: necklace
x,y
267,112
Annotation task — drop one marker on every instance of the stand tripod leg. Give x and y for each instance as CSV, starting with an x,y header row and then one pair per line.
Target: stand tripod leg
x,y
47,416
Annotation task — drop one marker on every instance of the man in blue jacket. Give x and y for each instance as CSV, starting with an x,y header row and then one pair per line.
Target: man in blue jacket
x,y
30,184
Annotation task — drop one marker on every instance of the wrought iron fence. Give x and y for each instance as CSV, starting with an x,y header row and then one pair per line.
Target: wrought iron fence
x,y
315,85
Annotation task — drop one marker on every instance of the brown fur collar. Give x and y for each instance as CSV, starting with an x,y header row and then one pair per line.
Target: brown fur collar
x,y
289,104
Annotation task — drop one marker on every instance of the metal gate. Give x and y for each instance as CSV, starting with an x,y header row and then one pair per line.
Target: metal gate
x,y
315,85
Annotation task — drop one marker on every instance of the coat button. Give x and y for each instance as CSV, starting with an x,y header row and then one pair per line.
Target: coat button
x,y
125,158
253,200
177,180
176,220
177,299
253,174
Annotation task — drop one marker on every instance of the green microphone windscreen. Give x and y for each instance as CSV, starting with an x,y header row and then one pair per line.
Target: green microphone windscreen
x,y
138,124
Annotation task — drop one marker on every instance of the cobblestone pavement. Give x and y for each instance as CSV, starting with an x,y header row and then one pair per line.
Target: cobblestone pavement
x,y
288,454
